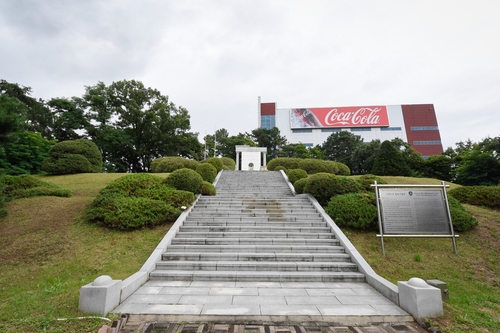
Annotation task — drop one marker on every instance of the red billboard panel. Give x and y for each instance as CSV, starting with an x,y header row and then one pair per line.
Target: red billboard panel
x,y
351,116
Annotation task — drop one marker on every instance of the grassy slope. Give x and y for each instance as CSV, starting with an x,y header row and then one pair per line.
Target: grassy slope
x,y
47,254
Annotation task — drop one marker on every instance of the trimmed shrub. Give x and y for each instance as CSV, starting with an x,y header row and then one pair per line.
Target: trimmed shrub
x,y
128,213
354,210
207,171
312,166
185,179
216,162
487,196
343,170
136,201
228,163
26,186
367,180
300,185
462,220
296,174
75,156
323,186
171,163
208,188
287,162
278,168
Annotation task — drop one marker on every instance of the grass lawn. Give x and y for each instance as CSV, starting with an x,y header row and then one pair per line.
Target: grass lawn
x,y
47,253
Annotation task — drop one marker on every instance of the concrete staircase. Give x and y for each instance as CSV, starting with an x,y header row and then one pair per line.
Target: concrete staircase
x,y
255,229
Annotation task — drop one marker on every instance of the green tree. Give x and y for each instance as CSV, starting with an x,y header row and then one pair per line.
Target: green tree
x,y
364,157
439,167
340,147
270,138
25,153
390,162
38,116
294,150
12,113
480,164
69,119
132,125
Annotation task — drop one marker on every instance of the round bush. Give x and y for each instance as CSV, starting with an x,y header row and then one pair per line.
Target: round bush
x,y
208,188
128,213
216,162
462,220
185,179
278,168
296,174
229,163
300,185
487,196
367,180
343,170
312,166
323,186
287,162
74,156
354,210
172,163
207,171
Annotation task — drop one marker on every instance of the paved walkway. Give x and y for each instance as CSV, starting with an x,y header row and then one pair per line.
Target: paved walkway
x,y
340,302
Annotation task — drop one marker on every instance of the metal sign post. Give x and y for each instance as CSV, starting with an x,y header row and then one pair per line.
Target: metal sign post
x,y
414,211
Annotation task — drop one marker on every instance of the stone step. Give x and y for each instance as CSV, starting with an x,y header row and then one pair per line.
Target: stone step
x,y
280,266
246,234
289,222
261,276
254,241
249,256
254,213
246,228
275,248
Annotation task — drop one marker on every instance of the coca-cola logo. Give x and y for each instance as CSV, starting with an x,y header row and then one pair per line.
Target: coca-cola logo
x,y
362,116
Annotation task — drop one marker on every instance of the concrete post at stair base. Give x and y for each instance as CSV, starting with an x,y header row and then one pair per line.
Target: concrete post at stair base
x,y
100,296
420,299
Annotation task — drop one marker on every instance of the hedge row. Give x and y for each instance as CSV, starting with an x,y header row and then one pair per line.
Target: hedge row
x,y
309,165
172,163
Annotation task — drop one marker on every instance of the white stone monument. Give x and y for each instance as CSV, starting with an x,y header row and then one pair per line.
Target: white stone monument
x,y
252,158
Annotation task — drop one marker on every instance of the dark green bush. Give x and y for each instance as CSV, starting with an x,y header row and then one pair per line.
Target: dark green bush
x,y
207,171
367,180
323,186
228,162
128,213
462,220
287,162
26,186
300,185
312,166
119,204
296,174
185,179
487,196
278,168
216,162
343,170
354,210
171,163
208,188
75,156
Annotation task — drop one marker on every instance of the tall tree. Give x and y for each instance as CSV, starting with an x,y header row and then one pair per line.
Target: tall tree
x,y
390,162
340,147
270,138
480,163
364,157
37,114
132,125
69,119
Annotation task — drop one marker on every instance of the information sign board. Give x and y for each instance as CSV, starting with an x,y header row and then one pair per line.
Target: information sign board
x,y
413,211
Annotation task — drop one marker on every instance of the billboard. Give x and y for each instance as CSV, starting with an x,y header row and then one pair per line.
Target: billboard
x,y
351,116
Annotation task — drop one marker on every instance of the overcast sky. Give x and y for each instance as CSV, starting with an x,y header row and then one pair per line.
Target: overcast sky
x,y
215,57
